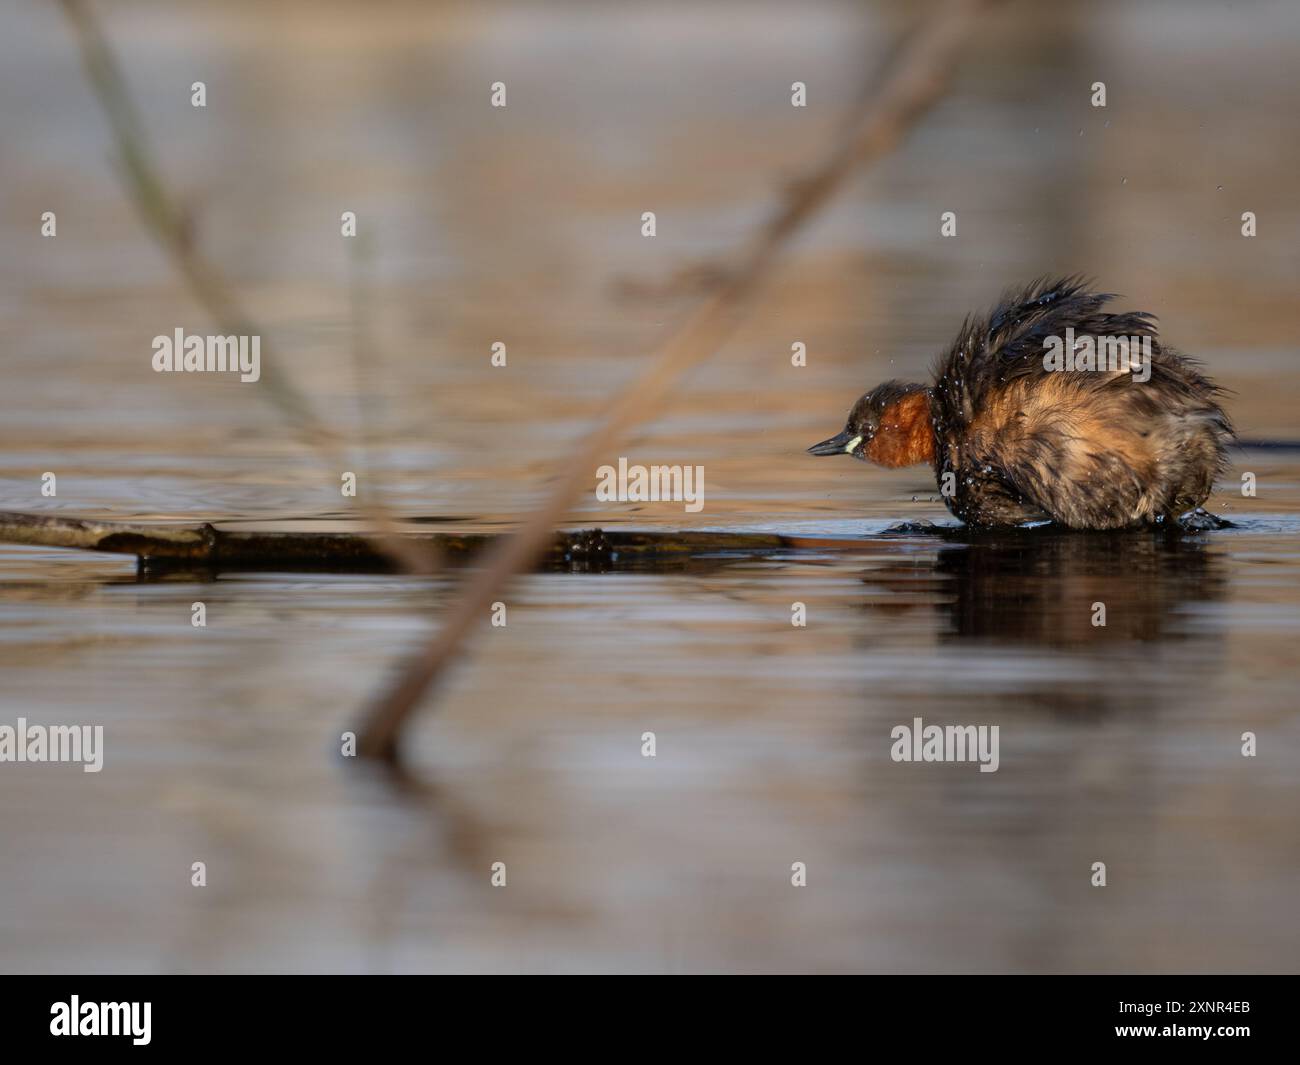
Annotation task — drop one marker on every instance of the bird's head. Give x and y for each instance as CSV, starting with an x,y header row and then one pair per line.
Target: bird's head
x,y
890,426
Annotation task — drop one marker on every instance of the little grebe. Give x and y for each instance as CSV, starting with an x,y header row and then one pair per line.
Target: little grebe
x,y
1019,429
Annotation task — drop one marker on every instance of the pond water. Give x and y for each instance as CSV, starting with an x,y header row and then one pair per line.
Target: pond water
x,y
1119,743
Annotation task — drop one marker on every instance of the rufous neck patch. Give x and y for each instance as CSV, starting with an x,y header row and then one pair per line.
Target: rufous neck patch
x,y
906,435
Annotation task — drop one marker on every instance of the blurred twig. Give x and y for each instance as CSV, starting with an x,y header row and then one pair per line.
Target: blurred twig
x,y
416,556
172,229
912,81
165,220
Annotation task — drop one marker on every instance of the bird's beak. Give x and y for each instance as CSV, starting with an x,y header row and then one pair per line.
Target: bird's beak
x,y
840,444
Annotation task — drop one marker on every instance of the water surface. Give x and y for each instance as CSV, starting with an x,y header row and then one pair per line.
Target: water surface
x,y
1119,744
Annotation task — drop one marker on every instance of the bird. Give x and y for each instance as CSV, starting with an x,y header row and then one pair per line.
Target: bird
x,y
1052,409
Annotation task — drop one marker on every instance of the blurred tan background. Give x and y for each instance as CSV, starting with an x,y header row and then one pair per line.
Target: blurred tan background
x,y
523,225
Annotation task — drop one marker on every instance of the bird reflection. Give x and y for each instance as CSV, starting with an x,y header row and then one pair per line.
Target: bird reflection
x,y
1066,589
1120,613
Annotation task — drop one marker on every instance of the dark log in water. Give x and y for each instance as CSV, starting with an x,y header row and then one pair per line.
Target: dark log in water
x,y
163,546
171,548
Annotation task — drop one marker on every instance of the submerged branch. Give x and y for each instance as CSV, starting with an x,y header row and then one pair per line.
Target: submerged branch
x,y
161,545
170,547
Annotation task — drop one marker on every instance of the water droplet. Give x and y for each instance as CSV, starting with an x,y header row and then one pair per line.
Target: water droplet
x,y
1123,181
1218,188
